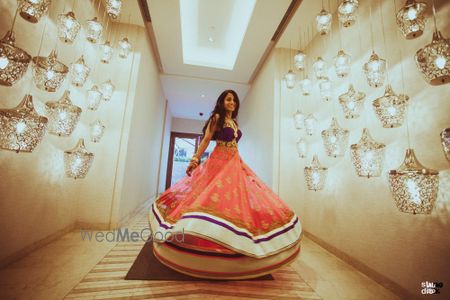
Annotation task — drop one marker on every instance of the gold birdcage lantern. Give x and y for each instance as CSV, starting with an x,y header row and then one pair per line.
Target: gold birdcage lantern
x,y
335,139
106,52
310,124
113,8
63,115
368,156
320,68
48,72
299,60
94,96
299,119
302,148
124,48
21,127
315,175
445,140
68,27
305,86
323,22
33,10
289,77
413,186
107,89
411,19
352,102
94,30
97,130
390,108
347,12
13,60
78,161
375,70
325,88
342,64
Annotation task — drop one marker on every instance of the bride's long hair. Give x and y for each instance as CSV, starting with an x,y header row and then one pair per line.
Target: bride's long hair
x,y
220,109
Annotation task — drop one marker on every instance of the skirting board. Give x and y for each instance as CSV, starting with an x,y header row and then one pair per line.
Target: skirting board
x,y
363,268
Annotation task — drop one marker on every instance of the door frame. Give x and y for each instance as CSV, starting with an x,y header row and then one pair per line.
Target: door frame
x,y
173,135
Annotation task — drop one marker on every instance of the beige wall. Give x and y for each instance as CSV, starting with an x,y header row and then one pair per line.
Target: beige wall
x,y
37,201
165,151
356,216
187,125
256,121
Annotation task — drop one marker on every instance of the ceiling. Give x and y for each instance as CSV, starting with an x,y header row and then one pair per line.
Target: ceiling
x,y
185,84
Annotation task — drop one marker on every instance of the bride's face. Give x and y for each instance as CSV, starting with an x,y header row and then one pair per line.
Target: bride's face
x,y
229,102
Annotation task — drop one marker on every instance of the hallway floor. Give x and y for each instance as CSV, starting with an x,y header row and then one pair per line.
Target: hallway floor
x,y
74,269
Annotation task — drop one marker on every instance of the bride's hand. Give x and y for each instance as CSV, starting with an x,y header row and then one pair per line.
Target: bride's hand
x,y
191,167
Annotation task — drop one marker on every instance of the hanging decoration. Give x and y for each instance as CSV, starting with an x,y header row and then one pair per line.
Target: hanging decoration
x,y
411,19
302,148
347,12
299,60
368,156
335,139
106,52
48,72
13,60
290,79
33,10
113,8
326,88
94,96
305,86
299,119
413,186
323,22
107,90
78,161
21,128
310,124
124,48
97,130
352,103
342,64
94,30
320,68
79,72
63,115
315,175
375,70
390,108
445,140
68,27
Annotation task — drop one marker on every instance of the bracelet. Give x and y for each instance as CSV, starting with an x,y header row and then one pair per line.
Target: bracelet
x,y
195,158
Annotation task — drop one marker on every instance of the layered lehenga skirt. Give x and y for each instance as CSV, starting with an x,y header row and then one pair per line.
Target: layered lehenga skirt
x,y
223,222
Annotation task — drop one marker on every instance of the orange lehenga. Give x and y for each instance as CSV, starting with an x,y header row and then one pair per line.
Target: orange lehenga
x,y
223,222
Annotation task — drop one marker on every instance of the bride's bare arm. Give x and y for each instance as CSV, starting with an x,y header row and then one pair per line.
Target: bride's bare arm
x,y
209,132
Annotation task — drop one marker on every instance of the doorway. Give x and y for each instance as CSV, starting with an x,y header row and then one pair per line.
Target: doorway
x,y
181,149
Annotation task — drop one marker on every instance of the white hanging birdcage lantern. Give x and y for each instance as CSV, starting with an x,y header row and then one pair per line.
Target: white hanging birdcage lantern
x,y
320,68
63,115
79,72
97,130
315,175
77,161
390,108
411,19
310,124
413,186
347,12
290,79
33,10
299,60
342,64
13,60
335,139
326,88
107,89
323,22
94,96
352,102
113,8
368,156
106,52
21,127
302,148
68,27
305,86
124,48
94,30
299,119
375,70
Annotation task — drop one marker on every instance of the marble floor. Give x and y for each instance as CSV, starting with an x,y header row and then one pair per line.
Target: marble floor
x,y
56,270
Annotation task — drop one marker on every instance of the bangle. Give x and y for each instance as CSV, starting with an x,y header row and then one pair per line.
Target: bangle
x,y
195,158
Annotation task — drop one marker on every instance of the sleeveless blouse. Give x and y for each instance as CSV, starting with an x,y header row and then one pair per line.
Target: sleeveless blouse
x,y
227,134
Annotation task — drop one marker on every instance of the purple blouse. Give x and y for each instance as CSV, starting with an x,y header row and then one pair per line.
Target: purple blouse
x,y
227,134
